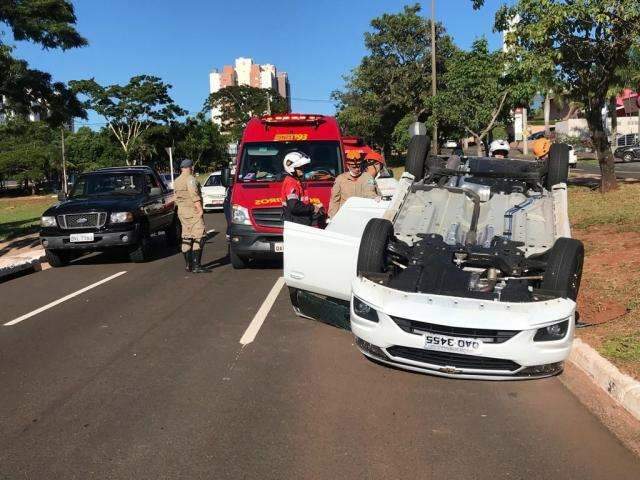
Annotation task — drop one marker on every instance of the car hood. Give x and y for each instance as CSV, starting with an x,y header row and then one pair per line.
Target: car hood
x,y
110,204
217,190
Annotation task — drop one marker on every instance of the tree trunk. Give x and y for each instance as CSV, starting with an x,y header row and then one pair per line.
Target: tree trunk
x,y
601,146
479,149
547,114
613,110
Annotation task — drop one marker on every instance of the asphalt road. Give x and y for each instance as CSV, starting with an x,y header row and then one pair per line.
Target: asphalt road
x,y
143,377
623,170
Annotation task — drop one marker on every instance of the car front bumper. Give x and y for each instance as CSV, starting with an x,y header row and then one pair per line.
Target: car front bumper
x,y
102,240
518,357
249,243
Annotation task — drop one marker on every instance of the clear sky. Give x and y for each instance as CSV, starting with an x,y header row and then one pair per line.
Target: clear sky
x,y
315,41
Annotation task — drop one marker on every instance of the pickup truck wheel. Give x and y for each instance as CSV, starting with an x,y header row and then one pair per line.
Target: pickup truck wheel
x,y
373,246
173,233
557,165
237,261
57,258
417,154
141,252
564,268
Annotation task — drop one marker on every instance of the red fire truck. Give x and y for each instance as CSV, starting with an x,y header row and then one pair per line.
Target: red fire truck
x,y
256,209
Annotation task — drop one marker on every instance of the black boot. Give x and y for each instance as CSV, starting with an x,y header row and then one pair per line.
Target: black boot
x,y
187,260
196,266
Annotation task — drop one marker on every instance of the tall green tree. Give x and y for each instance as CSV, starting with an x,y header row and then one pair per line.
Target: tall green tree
x,y
479,91
130,109
233,106
203,142
29,151
87,150
579,45
394,79
50,23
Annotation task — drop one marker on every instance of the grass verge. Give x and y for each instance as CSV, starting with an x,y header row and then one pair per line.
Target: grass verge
x,y
21,215
609,226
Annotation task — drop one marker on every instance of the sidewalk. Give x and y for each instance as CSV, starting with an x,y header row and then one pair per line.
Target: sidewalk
x,y
20,254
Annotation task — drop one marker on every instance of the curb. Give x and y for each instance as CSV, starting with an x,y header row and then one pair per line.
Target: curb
x,y
624,389
18,263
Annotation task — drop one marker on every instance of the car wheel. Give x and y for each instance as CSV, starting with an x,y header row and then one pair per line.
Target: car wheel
x,y
416,155
174,232
557,165
57,258
142,251
372,256
627,157
564,268
237,262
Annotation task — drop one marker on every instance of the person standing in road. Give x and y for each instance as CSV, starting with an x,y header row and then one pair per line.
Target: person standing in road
x,y
296,205
190,213
352,183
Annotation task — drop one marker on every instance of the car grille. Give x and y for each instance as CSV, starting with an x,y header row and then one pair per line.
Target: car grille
x,y
82,220
456,360
269,217
487,336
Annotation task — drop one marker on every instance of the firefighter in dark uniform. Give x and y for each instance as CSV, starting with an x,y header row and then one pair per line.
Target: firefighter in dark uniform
x,y
190,213
295,202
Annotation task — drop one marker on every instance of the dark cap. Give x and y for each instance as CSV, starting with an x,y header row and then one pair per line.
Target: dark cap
x,y
186,163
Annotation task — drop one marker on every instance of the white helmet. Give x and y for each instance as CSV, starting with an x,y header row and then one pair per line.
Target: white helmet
x,y
293,160
499,145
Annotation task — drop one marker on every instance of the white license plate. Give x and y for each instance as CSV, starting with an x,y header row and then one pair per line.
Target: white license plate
x,y
445,343
278,247
81,237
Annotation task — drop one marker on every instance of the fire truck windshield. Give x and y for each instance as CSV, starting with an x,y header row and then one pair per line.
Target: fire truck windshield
x,y
262,162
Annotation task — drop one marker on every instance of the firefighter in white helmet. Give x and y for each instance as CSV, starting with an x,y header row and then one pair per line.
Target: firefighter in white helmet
x,y
499,149
296,205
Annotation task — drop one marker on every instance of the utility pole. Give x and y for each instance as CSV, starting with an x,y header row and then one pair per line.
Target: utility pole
x,y
64,164
434,140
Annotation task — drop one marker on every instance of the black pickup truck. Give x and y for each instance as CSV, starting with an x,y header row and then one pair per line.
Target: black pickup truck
x,y
110,208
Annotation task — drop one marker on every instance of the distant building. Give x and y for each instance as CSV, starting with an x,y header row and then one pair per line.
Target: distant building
x,y
33,116
246,72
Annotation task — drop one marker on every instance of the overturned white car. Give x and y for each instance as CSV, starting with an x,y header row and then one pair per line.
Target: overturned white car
x,y
468,272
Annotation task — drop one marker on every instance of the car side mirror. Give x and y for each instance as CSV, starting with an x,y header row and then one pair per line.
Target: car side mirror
x,y
62,196
155,191
225,177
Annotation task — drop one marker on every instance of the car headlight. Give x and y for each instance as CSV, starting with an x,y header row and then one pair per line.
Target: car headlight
x,y
240,215
48,221
557,331
121,217
364,310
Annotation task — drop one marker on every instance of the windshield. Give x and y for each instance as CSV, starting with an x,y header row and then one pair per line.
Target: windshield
x,y
107,184
262,162
213,181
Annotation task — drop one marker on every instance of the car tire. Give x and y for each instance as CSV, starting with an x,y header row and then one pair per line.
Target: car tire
x,y
173,234
373,246
564,268
57,258
237,262
419,146
627,157
142,250
557,165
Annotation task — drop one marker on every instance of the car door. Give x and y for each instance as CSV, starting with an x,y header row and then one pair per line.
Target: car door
x,y
324,261
155,204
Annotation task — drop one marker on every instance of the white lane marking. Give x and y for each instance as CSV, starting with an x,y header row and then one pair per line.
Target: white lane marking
x,y
63,299
253,328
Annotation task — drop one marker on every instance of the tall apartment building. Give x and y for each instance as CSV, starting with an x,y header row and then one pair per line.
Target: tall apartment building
x,y
246,72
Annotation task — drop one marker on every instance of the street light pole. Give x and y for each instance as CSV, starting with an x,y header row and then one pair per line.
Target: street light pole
x,y
169,150
64,164
434,140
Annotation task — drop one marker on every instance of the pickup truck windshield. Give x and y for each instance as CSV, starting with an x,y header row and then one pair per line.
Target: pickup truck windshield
x,y
262,162
107,184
